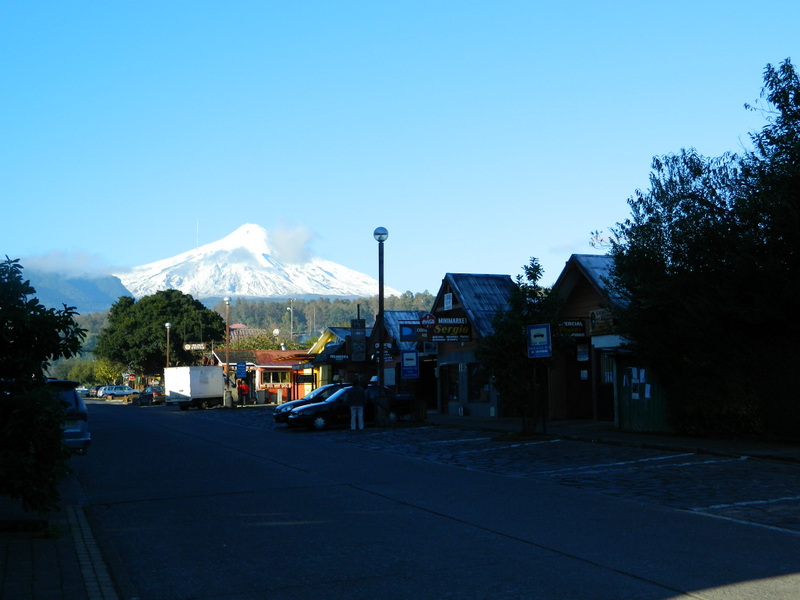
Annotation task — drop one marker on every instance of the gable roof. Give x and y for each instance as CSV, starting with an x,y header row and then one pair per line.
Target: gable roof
x,y
481,296
595,268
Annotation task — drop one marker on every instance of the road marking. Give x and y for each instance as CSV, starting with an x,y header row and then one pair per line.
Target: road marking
x,y
480,439
702,462
750,503
615,464
496,448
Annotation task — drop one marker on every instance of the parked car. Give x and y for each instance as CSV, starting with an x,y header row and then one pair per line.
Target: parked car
x,y
115,391
82,390
281,412
76,427
335,410
152,394
93,389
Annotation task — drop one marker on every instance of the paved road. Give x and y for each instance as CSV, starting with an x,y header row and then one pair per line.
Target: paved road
x,y
760,492
224,505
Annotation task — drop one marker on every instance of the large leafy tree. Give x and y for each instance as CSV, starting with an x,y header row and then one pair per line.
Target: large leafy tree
x,y
520,380
32,457
707,267
136,334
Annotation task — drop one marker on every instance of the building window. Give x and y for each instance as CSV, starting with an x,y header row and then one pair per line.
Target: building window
x,y
275,378
583,352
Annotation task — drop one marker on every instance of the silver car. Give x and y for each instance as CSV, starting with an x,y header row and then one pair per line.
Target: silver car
x,y
76,427
115,391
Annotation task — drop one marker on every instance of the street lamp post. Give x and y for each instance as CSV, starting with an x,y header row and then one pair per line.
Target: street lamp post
x,y
380,235
167,325
291,322
227,337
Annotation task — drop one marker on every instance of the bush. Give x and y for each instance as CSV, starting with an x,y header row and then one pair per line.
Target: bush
x,y
33,459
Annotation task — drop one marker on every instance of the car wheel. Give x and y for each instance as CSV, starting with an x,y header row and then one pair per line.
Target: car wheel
x,y
393,417
203,404
319,422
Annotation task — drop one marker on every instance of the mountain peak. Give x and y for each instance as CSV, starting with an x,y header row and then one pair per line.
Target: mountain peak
x,y
245,264
250,236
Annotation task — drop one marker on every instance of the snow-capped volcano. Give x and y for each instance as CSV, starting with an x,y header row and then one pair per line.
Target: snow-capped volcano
x,y
243,264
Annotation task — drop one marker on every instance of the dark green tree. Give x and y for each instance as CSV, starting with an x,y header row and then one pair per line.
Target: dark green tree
x,y
33,459
136,334
519,380
706,270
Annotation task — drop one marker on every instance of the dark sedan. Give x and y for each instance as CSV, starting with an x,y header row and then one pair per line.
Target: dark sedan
x,y
336,410
281,413
153,394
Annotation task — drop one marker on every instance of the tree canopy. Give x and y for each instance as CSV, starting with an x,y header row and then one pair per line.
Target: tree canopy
x,y
136,334
707,268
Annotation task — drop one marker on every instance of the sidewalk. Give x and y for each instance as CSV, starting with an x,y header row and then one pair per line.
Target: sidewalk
x,y
605,432
62,562
70,566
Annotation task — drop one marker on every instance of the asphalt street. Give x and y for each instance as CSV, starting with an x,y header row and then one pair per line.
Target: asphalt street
x,y
761,492
226,505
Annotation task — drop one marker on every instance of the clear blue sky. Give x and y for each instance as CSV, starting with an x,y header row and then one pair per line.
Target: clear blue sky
x,y
479,134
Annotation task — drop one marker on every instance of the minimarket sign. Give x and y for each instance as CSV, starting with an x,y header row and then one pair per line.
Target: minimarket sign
x,y
436,329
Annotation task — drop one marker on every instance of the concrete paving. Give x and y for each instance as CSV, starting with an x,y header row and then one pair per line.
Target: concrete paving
x,y
65,561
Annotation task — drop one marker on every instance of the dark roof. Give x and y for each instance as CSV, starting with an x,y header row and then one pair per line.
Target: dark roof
x,y
481,296
261,358
235,356
340,333
392,320
277,358
596,268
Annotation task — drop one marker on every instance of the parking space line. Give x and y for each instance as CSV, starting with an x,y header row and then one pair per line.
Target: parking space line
x,y
480,439
616,464
699,463
750,503
496,448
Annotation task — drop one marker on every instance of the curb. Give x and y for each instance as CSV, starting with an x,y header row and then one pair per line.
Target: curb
x,y
96,578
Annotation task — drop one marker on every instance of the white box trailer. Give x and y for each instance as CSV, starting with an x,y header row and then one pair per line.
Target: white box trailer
x,y
202,386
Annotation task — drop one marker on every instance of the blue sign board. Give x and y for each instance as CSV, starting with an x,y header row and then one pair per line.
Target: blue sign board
x,y
410,364
540,344
241,370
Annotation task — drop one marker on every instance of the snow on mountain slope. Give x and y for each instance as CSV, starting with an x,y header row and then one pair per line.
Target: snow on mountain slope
x,y
243,264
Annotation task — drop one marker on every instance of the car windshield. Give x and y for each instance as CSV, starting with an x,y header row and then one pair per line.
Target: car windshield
x,y
322,392
336,396
314,393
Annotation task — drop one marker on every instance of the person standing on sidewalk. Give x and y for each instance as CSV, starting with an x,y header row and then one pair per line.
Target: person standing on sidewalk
x,y
242,390
358,397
